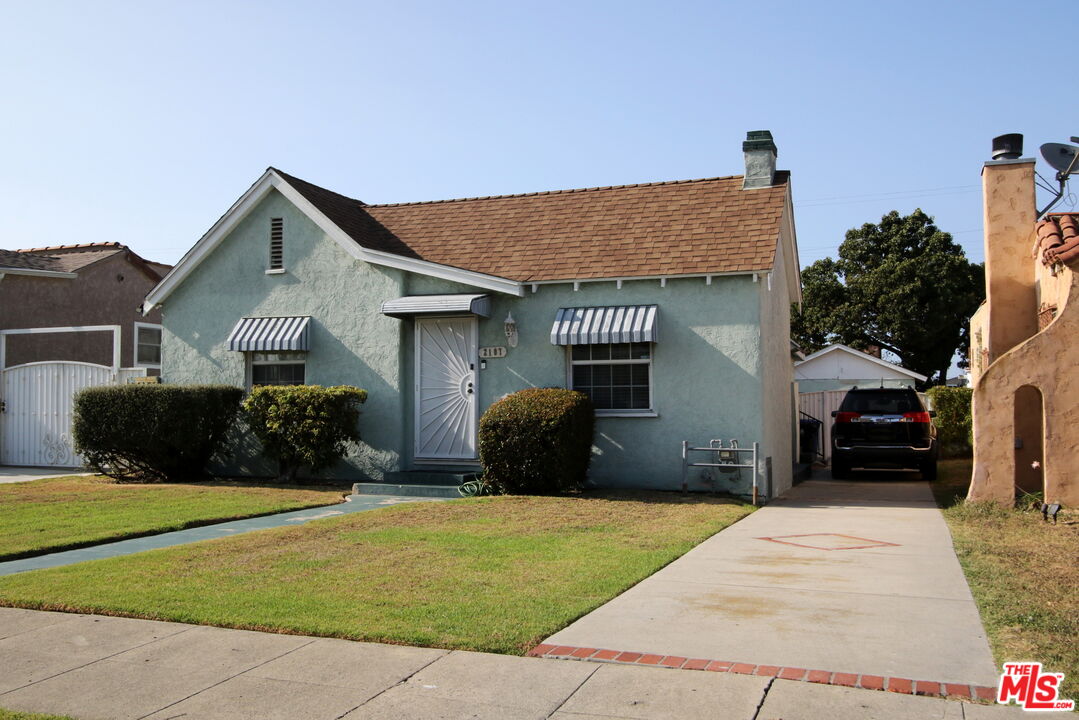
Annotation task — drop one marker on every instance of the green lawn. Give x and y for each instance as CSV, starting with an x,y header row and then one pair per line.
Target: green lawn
x,y
63,513
494,574
1023,574
16,715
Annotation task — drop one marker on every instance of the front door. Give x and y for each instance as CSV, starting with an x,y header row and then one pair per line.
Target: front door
x,y
446,388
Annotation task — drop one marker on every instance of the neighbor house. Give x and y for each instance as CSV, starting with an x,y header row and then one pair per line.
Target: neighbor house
x,y
70,317
838,367
668,303
1025,341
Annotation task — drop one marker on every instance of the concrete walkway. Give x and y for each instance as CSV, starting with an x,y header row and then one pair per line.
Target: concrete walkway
x,y
356,503
12,474
849,579
106,668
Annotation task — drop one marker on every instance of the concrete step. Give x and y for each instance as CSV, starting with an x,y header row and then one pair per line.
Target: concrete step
x,y
429,477
407,490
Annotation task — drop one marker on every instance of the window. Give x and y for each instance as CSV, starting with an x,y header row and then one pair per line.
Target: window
x,y
277,368
147,345
277,244
616,376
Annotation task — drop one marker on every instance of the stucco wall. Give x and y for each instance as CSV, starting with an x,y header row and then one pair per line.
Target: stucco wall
x,y
107,292
777,375
708,369
351,342
1046,362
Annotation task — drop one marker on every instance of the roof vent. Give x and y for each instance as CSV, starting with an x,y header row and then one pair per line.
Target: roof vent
x,y
1008,147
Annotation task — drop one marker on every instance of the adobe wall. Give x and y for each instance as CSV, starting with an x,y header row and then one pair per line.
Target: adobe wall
x,y
1047,361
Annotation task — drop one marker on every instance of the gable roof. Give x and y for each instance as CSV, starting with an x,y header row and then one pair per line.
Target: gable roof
x,y
840,347
665,229
69,259
657,229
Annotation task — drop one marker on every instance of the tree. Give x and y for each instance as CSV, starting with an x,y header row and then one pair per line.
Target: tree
x,y
902,285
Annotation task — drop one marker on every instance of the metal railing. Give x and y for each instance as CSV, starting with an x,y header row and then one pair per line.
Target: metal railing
x,y
729,458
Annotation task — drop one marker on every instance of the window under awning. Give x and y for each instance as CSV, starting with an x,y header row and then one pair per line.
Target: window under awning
x,y
271,334
411,305
601,325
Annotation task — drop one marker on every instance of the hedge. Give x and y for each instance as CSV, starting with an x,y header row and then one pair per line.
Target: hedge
x,y
153,432
304,425
953,419
537,441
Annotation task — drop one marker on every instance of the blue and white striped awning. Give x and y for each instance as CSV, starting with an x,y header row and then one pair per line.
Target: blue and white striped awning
x,y
270,334
601,325
411,305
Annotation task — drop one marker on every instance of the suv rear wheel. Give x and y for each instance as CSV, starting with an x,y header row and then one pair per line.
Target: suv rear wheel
x,y
840,469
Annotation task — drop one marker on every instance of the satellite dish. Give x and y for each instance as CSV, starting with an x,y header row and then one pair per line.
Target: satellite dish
x,y
1060,156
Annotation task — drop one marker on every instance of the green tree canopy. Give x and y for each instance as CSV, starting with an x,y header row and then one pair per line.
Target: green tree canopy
x,y
902,285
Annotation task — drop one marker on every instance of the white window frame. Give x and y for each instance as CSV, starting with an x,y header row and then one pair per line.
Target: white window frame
x,y
250,362
610,412
135,352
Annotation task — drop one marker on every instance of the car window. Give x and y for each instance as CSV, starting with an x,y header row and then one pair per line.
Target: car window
x,y
880,403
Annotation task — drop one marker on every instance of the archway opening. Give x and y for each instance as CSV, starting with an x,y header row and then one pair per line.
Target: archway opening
x,y
1029,440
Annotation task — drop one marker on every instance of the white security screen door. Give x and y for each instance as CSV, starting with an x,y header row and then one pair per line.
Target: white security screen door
x,y
446,388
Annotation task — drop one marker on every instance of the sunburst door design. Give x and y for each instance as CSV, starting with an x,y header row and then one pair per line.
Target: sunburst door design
x,y
446,388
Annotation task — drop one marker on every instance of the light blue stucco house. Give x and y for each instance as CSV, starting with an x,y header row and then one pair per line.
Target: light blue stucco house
x,y
668,303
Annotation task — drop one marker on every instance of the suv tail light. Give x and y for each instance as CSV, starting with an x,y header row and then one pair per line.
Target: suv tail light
x,y
916,417
846,417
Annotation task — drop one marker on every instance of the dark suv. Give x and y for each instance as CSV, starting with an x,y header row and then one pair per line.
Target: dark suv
x,y
883,427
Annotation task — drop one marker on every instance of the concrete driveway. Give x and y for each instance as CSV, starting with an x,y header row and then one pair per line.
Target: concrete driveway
x,y
11,474
850,579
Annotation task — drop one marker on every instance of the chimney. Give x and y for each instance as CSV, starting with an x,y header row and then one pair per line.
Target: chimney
x,y
1008,219
760,153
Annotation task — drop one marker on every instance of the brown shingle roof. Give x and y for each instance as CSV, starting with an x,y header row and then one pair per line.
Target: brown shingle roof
x,y
1058,238
71,258
16,259
668,228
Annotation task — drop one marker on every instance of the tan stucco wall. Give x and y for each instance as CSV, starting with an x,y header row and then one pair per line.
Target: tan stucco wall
x,y
1048,361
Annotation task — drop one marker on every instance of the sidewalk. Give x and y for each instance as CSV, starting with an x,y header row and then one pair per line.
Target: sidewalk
x,y
93,667
858,579
13,474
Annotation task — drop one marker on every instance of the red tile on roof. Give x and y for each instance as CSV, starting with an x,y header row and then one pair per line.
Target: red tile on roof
x,y
1058,238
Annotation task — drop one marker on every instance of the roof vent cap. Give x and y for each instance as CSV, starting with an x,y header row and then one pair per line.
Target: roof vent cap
x,y
1008,147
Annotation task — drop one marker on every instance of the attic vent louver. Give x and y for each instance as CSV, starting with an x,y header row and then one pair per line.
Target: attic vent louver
x,y
277,243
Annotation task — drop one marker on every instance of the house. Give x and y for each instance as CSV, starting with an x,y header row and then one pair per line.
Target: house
x,y
668,303
838,367
69,317
1025,341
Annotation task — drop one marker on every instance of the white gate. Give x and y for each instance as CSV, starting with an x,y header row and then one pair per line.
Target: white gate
x,y
37,400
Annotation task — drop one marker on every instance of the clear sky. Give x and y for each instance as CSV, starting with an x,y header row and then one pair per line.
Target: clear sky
x,y
141,122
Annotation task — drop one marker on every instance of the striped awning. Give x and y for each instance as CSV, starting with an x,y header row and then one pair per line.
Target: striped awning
x,y
601,325
410,305
270,334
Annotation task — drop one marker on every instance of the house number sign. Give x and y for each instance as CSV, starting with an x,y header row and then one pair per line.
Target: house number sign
x,y
492,352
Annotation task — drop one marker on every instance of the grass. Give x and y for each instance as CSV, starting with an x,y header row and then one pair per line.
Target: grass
x,y
16,715
1023,574
491,574
64,513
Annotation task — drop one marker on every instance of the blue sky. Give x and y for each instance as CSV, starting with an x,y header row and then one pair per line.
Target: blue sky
x,y
141,122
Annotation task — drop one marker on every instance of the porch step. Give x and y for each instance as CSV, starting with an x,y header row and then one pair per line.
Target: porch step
x,y
416,483
382,488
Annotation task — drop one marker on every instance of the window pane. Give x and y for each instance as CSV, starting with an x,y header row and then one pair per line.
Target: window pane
x,y
619,351
149,336
641,400
622,374
285,374
601,398
601,374
641,351
149,354
582,376
621,397
640,374
580,352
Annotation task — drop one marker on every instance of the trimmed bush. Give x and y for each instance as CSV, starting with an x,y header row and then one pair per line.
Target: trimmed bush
x,y
304,425
153,432
537,441
953,420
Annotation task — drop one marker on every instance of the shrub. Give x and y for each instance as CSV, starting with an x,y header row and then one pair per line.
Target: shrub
x,y
953,419
302,425
537,441
153,432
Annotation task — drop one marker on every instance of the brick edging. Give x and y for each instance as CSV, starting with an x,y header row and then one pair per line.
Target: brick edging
x,y
825,677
